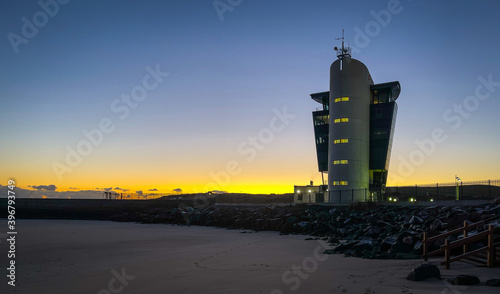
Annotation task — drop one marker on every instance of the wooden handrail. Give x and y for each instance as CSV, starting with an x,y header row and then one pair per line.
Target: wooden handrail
x,y
490,248
456,231
465,230
458,243
470,253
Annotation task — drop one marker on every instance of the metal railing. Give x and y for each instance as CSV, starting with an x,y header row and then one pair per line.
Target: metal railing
x,y
469,190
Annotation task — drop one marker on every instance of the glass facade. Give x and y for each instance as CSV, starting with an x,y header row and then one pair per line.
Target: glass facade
x,y
321,136
383,111
320,119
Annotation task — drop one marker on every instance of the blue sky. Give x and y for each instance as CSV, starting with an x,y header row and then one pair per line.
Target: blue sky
x,y
225,78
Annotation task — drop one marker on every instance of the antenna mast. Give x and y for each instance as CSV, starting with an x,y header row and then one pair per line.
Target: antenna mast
x,y
344,51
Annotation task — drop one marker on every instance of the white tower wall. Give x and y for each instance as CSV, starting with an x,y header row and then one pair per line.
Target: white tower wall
x,y
349,78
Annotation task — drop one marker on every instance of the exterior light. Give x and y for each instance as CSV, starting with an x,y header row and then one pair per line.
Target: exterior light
x,y
298,191
432,199
390,198
309,191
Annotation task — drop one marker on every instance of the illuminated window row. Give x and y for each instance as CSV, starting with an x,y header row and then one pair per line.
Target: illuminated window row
x,y
341,161
341,99
340,141
341,120
340,183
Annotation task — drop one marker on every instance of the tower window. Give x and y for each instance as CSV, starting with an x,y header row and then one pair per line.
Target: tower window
x,y
340,183
341,120
341,99
343,161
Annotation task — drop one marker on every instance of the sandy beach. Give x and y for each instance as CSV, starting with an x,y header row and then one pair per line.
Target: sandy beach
x,y
57,256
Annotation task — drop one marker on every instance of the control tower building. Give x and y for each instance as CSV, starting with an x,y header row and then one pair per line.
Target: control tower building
x,y
354,131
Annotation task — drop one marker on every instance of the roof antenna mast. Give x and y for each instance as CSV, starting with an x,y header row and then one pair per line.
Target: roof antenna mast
x,y
344,51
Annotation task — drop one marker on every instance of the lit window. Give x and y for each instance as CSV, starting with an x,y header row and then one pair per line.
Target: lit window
x,y
343,141
344,119
344,162
344,183
341,99
336,183
337,120
336,141
336,162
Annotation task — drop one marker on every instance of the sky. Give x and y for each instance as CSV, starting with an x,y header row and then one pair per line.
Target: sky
x,y
214,95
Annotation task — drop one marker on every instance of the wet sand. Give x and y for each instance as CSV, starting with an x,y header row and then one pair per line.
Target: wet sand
x,y
57,256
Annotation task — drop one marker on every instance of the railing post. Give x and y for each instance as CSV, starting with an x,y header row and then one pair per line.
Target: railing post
x,y
489,189
462,190
424,244
466,234
447,253
491,247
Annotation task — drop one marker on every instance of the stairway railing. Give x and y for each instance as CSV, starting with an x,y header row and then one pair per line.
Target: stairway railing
x,y
464,243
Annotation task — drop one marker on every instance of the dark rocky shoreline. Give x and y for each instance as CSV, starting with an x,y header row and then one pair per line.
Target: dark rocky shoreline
x,y
360,230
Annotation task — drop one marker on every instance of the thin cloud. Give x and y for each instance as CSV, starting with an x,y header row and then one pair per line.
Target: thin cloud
x,y
44,187
121,189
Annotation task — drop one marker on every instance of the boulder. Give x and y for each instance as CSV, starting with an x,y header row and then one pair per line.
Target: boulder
x,y
423,272
464,280
493,283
